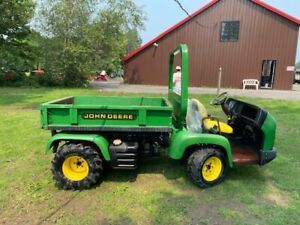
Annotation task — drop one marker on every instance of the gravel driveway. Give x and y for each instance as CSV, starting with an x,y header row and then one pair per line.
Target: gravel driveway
x,y
261,93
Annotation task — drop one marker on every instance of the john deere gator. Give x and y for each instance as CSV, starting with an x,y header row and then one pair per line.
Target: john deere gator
x,y
88,132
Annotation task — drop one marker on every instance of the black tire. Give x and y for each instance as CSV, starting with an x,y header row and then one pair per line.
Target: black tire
x,y
197,161
84,151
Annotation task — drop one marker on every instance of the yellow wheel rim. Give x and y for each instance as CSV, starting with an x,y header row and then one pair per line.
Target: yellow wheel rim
x,y
212,169
75,168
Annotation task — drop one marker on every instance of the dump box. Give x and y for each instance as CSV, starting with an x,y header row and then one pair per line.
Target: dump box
x,y
98,113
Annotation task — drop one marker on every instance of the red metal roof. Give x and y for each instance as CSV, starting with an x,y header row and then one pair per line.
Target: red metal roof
x,y
258,2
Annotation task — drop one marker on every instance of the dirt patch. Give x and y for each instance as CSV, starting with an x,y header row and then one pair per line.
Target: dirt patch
x,y
221,211
24,212
62,201
78,205
203,214
276,197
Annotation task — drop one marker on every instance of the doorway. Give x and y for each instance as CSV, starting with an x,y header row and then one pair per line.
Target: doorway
x,y
267,73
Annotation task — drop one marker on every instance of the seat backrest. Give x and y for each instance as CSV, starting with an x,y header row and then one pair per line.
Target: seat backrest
x,y
195,113
201,109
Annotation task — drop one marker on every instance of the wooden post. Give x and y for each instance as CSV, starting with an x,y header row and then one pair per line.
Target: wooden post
x,y
219,80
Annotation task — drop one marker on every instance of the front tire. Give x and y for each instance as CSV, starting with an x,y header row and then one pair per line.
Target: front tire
x,y
207,167
76,166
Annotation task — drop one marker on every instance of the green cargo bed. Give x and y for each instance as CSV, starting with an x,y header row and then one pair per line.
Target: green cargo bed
x,y
90,113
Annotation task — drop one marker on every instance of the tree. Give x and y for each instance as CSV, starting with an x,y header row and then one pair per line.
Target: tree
x,y
14,29
133,40
14,19
87,35
15,50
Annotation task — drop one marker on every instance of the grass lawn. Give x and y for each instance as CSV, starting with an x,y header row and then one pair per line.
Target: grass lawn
x,y
159,192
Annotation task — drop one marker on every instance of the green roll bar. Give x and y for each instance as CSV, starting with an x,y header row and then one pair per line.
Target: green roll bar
x,y
179,100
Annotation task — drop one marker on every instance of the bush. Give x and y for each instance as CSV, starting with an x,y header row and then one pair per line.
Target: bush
x,y
32,81
73,77
12,78
51,79
70,76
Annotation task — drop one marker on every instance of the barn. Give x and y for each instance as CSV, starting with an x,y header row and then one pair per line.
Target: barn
x,y
249,39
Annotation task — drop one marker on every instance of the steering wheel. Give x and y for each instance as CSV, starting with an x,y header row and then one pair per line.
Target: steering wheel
x,y
220,99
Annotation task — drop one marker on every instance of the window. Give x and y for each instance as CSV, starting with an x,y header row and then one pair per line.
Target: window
x,y
230,31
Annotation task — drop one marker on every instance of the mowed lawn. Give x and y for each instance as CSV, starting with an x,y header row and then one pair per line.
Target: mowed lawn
x,y
159,192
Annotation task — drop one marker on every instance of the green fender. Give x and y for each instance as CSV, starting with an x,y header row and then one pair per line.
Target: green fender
x,y
182,139
98,140
269,130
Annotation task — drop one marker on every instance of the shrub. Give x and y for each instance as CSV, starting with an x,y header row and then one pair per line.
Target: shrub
x,y
12,78
73,77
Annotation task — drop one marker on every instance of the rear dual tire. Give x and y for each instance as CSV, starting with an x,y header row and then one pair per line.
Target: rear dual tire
x,y
207,167
76,166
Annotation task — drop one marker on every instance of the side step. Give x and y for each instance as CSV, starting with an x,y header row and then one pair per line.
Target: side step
x,y
124,156
244,157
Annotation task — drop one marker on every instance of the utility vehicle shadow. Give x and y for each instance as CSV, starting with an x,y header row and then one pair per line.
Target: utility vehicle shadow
x,y
173,169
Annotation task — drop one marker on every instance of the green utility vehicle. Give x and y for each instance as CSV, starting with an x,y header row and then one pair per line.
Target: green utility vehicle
x,y
88,132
